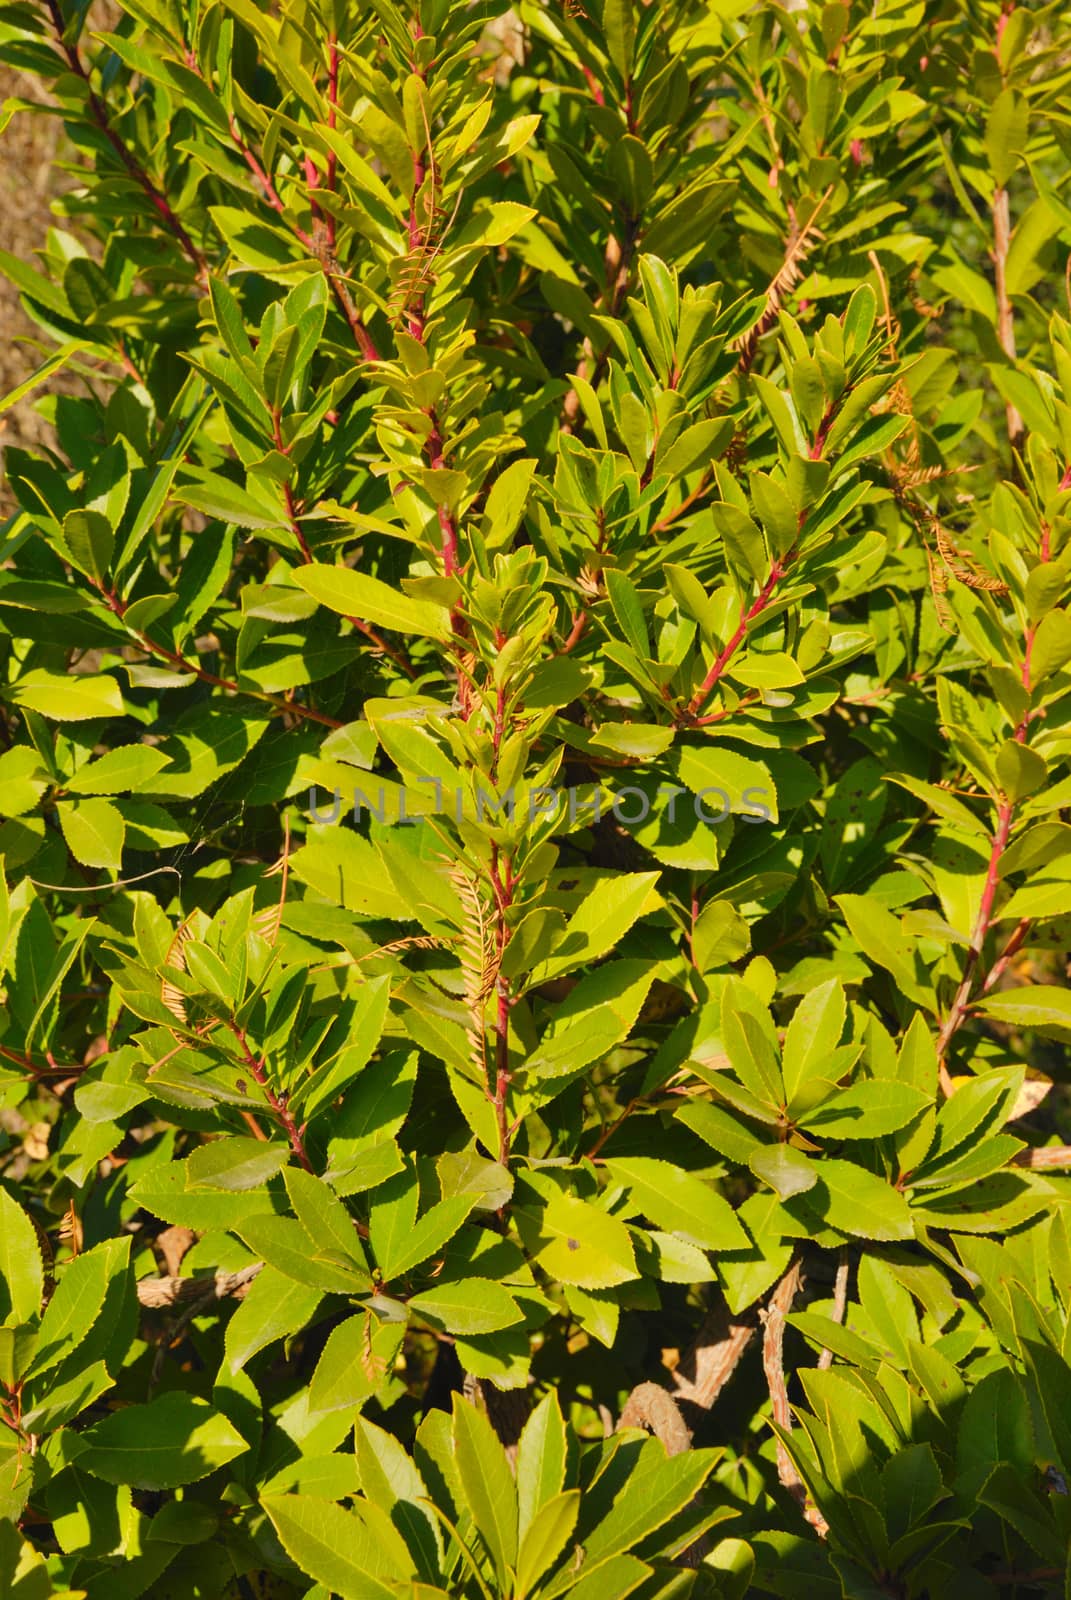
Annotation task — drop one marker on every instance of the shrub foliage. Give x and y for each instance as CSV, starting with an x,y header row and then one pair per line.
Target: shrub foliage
x,y
536,706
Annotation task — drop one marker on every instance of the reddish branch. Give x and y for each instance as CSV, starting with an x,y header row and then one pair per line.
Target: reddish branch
x,y
747,616
51,1069
181,663
98,110
749,613
667,520
998,844
322,247
575,634
419,238
331,166
259,1071
503,884
1011,949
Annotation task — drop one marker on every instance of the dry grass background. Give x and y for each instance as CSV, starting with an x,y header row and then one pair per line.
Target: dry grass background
x,y
32,147
29,180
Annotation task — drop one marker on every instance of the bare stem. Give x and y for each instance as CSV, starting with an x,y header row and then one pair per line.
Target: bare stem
x,y
840,1302
1049,1158
773,1318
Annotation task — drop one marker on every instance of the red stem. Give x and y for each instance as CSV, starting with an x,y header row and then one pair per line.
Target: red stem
x,y
119,607
53,1070
276,1101
685,506
502,886
98,110
1012,948
747,615
580,622
331,270
777,571
999,843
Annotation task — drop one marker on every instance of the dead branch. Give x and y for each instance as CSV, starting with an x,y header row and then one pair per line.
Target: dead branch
x,y
155,1294
773,1319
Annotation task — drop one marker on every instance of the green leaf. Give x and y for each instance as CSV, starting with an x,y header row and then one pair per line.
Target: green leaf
x,y
786,1170
487,1484
21,1269
356,1363
90,540
273,1308
994,1425
410,1243
600,923
680,1202
545,1538
94,831
1042,1009
77,1302
163,1191
619,30
130,767
236,1163
576,1243
173,1440
882,940
854,1201
323,1216
868,1109
357,594
725,782
22,781
540,1464
290,1248
75,698
330,1080
811,1037
1007,1493
721,1129
471,1306
1006,131
656,1489
628,610
335,1547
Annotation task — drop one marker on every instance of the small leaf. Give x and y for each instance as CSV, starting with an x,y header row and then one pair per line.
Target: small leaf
x,y
75,698
471,1306
786,1170
577,1243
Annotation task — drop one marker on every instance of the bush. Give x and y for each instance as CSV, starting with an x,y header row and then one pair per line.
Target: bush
x,y
537,704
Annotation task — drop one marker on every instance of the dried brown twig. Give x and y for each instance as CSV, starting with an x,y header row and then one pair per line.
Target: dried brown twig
x,y
155,1294
773,1319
